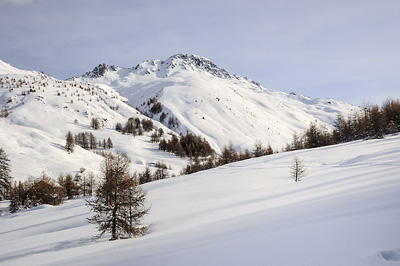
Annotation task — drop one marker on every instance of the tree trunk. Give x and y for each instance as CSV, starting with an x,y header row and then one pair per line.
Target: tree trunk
x,y
114,224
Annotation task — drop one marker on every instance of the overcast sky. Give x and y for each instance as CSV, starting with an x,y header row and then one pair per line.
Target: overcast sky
x,y
347,50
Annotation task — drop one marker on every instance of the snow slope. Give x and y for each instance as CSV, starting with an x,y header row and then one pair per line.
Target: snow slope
x,y
43,109
346,211
208,101
9,69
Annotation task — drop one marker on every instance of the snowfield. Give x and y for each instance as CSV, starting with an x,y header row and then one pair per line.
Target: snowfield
x,y
346,211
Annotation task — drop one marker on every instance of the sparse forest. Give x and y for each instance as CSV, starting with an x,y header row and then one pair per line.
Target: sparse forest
x,y
45,190
372,122
34,192
135,126
228,155
87,141
187,145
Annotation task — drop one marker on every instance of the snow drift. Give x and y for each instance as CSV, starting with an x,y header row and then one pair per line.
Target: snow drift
x,y
346,211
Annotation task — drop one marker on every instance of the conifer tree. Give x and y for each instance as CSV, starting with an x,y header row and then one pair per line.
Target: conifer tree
x,y
95,124
259,149
5,176
71,189
110,144
92,141
70,143
119,204
118,127
146,176
129,126
297,170
18,197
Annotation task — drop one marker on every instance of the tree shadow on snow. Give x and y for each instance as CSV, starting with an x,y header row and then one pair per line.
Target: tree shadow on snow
x,y
46,248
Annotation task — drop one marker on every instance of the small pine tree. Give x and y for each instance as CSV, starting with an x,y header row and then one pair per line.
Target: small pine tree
x,y
18,197
110,144
118,127
259,149
71,189
3,113
91,183
154,137
92,142
70,142
147,125
298,170
146,176
5,176
95,124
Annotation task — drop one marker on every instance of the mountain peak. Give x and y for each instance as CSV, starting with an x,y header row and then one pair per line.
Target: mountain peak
x,y
99,71
162,67
197,62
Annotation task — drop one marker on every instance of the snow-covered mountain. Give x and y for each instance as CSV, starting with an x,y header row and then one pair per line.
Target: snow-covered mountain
x,y
43,109
184,93
345,211
197,95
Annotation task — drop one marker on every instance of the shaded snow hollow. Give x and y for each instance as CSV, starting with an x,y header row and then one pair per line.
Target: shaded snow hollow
x,y
346,211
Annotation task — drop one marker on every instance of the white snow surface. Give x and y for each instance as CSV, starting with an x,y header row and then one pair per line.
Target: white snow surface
x,y
9,69
210,102
346,211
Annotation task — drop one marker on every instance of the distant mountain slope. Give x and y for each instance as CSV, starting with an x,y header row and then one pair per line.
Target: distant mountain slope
x,y
9,69
198,96
43,109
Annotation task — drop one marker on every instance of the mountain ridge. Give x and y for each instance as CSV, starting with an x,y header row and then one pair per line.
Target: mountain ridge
x,y
197,94
187,61
6,68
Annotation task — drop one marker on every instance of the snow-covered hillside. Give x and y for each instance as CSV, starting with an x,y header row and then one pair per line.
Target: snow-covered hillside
x,y
346,211
183,92
210,102
43,109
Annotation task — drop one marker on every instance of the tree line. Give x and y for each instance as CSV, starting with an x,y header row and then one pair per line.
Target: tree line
x,y
228,155
372,122
45,190
87,141
188,145
135,126
147,175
